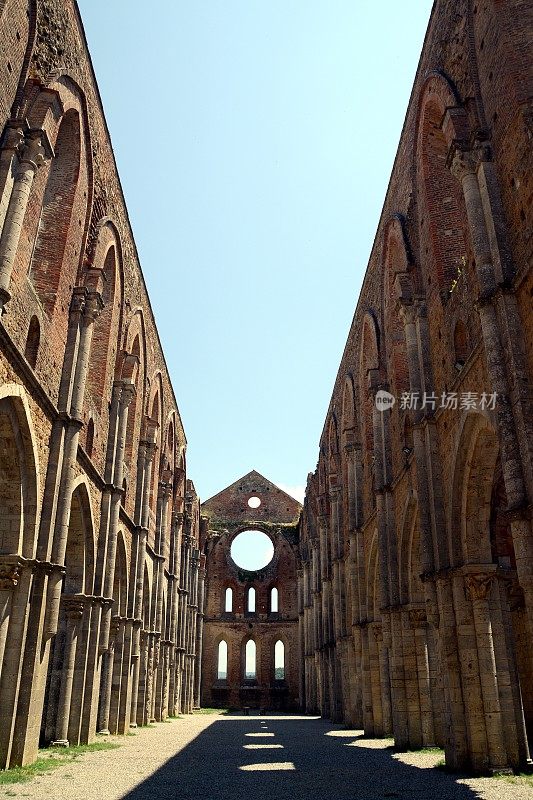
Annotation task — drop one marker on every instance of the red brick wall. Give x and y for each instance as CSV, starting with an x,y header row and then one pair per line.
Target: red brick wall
x,y
228,513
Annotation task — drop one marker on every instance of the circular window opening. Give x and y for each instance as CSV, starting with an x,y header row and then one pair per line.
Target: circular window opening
x,y
252,550
254,502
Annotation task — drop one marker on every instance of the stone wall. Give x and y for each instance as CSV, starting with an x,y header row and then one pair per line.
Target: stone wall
x,y
100,570
415,540
226,515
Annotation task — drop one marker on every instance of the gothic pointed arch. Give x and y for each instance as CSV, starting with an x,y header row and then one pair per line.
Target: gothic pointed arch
x,y
19,473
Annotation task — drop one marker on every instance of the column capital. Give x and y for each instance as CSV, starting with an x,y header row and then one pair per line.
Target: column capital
x,y
418,617
462,163
94,305
351,448
13,137
36,149
478,585
335,489
377,630
373,380
73,605
9,575
403,287
177,517
77,302
165,488
408,313
127,392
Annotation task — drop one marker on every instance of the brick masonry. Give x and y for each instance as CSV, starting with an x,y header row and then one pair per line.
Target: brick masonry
x,y
415,540
227,514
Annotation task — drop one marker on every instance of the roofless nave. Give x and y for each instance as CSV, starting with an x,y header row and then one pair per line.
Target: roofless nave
x,y
404,587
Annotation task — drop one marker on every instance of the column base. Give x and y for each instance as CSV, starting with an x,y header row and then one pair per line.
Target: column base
x,y
133,724
104,732
60,743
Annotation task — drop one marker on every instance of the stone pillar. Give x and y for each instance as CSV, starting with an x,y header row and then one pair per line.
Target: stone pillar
x,y
478,586
87,305
433,550
73,611
411,678
148,449
515,454
375,679
9,576
125,392
510,601
34,150
199,632
143,661
418,622
108,659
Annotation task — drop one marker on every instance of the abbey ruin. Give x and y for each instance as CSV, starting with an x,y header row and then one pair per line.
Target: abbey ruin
x,y
400,596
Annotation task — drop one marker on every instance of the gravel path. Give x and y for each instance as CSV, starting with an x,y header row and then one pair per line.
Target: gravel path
x,y
217,757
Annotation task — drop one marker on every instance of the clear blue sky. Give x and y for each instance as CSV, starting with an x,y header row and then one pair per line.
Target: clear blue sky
x,y
254,142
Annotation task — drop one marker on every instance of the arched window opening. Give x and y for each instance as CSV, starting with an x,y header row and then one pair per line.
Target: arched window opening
x,y
222,665
445,205
274,601
105,332
279,661
56,212
250,673
133,410
228,607
89,439
32,342
79,553
11,482
460,344
250,606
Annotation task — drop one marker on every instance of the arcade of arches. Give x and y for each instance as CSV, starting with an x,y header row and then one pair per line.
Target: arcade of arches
x,y
399,598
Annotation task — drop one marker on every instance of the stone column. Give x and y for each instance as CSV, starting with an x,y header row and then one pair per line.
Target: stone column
x,y
193,617
510,601
464,167
375,681
148,450
165,493
89,308
108,660
177,526
335,548
9,576
357,668
514,453
411,678
140,706
125,391
418,621
34,150
511,327
478,586
73,611
199,632
433,549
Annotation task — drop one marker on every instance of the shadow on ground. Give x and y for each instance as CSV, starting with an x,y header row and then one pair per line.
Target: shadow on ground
x,y
311,760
